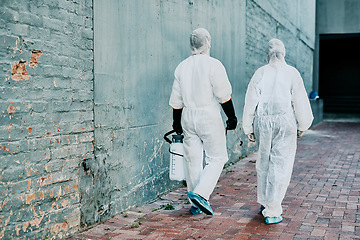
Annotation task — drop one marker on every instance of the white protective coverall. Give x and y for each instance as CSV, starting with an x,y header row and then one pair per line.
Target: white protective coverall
x,y
275,103
200,84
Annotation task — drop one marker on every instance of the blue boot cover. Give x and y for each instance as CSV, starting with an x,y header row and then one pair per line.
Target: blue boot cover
x,y
273,220
195,210
200,202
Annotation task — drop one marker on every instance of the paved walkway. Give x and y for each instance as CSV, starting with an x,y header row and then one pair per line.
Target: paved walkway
x,y
322,202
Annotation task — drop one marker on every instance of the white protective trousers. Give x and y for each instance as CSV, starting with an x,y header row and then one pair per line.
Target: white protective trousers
x,y
276,101
203,131
200,84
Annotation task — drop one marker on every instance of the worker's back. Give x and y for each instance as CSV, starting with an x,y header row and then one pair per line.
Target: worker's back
x,y
202,81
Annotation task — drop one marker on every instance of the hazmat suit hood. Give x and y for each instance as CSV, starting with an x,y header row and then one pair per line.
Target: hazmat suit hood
x,y
200,41
276,51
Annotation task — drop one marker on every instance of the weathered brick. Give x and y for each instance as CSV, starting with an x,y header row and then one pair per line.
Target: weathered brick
x,y
45,129
40,9
7,40
30,19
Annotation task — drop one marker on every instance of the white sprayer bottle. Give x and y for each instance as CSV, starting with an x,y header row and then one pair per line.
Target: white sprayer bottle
x,y
177,162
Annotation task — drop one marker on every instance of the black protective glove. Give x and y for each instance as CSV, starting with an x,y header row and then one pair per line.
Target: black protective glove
x,y
228,108
177,121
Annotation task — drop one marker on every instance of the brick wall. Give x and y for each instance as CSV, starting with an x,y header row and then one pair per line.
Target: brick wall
x,y
46,115
293,22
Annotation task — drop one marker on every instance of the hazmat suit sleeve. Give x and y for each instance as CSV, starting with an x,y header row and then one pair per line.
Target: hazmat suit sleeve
x,y
251,102
176,100
301,103
220,83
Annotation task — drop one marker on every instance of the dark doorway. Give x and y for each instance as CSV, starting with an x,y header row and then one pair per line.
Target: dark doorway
x,y
339,73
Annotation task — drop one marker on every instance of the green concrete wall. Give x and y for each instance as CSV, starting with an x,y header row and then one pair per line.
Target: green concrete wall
x,y
138,45
338,17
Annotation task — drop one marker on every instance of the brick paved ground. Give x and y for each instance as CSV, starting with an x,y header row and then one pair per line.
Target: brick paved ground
x,y
322,202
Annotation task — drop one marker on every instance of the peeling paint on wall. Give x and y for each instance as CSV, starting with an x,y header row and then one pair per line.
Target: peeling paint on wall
x,y
18,71
12,109
30,197
57,228
35,54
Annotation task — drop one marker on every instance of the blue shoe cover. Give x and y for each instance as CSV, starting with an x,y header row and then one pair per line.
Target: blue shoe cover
x,y
200,202
195,210
273,220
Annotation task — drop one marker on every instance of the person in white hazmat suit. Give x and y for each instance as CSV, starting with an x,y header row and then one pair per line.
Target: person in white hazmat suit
x,y
200,84
276,110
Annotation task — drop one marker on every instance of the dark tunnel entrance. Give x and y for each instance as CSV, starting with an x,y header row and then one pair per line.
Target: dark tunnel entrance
x,y
339,74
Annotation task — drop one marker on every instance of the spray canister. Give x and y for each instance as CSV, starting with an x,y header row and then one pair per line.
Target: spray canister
x,y
177,162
